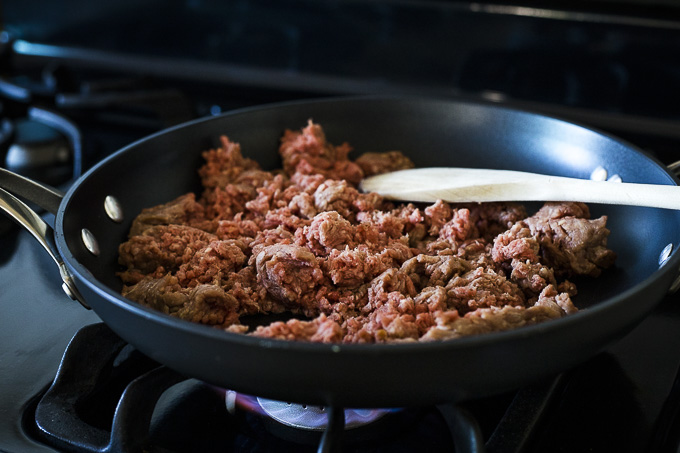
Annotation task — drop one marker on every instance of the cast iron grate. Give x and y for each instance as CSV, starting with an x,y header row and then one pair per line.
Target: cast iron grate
x,y
108,397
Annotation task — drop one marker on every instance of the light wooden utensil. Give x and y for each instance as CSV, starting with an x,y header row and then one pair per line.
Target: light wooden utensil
x,y
479,185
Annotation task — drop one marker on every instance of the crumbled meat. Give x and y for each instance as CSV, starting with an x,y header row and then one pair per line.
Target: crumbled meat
x,y
353,267
377,163
307,152
483,288
532,278
334,195
384,222
360,269
236,228
570,242
212,264
327,231
491,219
163,294
183,210
210,304
437,215
434,270
459,227
320,329
290,274
163,246
224,165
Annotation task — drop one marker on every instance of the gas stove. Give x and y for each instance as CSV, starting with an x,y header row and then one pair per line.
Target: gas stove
x,y
79,88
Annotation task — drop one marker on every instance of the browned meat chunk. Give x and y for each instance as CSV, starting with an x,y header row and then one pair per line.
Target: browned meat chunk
x,y
337,196
212,264
224,165
164,246
181,211
320,329
353,267
570,242
328,231
307,152
377,163
290,274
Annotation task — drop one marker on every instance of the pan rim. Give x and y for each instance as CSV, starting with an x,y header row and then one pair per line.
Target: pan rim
x,y
525,332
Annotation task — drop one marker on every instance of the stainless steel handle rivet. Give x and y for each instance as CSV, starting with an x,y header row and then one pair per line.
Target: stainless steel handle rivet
x,y
599,174
665,254
89,241
113,209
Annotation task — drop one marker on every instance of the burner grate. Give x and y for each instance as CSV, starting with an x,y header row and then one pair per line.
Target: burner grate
x,y
108,397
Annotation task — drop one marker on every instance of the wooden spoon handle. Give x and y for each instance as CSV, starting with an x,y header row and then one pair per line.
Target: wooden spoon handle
x,y
481,185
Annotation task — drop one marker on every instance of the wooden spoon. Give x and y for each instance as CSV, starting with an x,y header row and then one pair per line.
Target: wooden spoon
x,y
479,185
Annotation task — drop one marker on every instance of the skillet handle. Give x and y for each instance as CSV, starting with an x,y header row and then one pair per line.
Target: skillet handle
x,y
45,196
34,224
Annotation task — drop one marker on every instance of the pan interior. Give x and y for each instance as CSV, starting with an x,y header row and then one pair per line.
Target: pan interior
x,y
432,133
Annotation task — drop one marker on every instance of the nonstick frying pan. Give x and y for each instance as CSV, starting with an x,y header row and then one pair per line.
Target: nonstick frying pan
x,y
433,133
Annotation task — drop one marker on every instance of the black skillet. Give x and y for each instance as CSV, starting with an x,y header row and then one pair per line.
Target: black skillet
x,y
433,133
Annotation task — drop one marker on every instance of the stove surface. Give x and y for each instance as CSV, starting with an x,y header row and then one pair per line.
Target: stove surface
x,y
37,322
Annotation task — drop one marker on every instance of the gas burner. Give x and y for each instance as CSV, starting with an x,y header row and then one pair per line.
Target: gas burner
x,y
118,110
40,152
35,141
301,416
315,418
40,144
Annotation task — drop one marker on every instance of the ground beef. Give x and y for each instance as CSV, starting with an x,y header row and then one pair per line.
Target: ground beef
x,y
320,329
290,274
223,165
349,266
162,248
377,163
213,263
184,210
326,232
570,241
307,152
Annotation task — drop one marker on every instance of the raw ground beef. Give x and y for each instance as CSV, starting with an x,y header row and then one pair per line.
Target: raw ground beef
x,y
349,266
